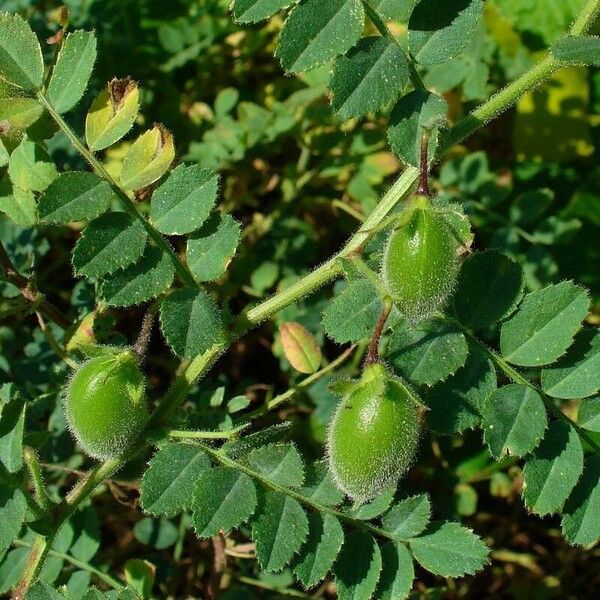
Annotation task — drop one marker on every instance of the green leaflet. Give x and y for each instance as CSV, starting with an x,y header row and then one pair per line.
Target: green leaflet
x,y
553,470
251,11
21,60
449,550
353,314
110,242
544,326
19,205
589,414
358,567
30,167
488,289
280,463
279,528
12,425
514,420
456,404
12,512
223,499
317,555
211,248
74,196
316,32
580,522
398,10
72,70
40,590
577,373
414,112
578,50
141,281
20,113
191,322
170,478
183,202
427,352
397,574
408,517
368,77
436,36
320,487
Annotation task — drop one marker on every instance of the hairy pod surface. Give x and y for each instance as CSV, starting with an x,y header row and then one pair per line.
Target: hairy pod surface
x,y
420,263
373,434
105,404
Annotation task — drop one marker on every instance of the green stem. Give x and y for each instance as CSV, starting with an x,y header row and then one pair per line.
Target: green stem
x,y
128,204
33,466
113,582
586,18
207,435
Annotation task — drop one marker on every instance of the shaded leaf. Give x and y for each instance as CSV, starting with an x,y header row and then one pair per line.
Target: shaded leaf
x,y
320,487
408,517
251,11
577,50
398,572
589,414
280,463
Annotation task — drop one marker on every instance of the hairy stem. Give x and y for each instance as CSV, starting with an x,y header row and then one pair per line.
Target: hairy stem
x,y
33,466
128,204
373,351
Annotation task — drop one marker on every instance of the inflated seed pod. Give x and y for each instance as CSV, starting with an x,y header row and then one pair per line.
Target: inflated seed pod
x,y
105,403
373,434
420,262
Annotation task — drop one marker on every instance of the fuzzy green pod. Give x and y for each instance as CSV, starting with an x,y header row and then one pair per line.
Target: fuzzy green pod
x,y
373,434
105,404
420,263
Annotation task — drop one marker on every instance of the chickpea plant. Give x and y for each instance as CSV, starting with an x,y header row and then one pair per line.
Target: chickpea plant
x,y
415,292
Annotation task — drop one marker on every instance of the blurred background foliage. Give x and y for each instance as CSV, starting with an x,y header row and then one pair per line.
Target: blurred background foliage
x,y
300,180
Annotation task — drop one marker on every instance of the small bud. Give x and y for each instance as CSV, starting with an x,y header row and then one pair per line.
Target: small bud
x,y
148,159
112,114
300,347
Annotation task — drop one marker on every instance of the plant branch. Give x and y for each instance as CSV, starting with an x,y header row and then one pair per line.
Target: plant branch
x,y
128,204
373,351
33,466
208,435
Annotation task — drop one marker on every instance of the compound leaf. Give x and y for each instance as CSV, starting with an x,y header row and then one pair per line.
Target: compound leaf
x,y
544,326
223,499
211,248
358,567
111,241
577,373
514,420
21,61
190,322
317,31
316,557
74,196
553,470
279,529
368,77
141,281
409,517
170,478
72,70
449,550
280,463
